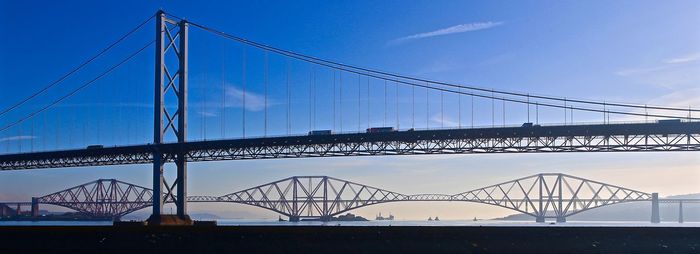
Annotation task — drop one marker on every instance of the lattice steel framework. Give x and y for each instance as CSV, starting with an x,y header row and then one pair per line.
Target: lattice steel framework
x,y
312,196
639,137
541,196
551,195
320,197
102,198
171,50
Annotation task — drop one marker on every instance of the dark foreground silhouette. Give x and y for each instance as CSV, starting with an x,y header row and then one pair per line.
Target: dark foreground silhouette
x,y
345,239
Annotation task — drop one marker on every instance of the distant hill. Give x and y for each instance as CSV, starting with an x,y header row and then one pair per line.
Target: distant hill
x,y
635,211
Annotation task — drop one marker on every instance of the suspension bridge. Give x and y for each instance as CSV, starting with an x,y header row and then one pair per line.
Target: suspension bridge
x,y
542,196
271,103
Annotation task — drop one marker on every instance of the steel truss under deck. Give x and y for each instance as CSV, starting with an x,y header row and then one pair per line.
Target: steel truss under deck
x,y
638,137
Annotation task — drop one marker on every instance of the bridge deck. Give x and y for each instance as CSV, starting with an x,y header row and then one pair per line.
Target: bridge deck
x,y
680,136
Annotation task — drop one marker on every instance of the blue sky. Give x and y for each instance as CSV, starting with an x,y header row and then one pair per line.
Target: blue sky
x,y
631,51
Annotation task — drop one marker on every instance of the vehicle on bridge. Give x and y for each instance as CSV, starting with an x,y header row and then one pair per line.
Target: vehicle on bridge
x,y
530,125
380,129
320,132
669,121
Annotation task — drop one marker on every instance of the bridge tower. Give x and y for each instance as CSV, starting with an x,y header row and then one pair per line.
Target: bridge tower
x,y
170,84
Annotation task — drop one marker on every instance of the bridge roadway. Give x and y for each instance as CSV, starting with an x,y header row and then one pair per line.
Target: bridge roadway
x,y
617,137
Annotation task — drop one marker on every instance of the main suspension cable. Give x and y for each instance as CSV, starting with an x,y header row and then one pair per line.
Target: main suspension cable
x,y
79,67
78,88
337,65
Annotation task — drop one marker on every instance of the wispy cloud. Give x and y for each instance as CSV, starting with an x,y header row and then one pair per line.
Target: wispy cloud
x,y
684,59
641,70
667,64
253,101
443,120
234,98
673,73
15,138
681,98
462,28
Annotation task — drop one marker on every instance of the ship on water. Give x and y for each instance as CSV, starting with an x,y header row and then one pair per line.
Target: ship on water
x,y
380,217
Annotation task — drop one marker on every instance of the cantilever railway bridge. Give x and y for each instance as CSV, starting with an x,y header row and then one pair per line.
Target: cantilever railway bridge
x,y
670,129
547,195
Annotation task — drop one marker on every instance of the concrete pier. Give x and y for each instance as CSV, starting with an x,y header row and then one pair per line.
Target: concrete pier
x,y
35,207
655,208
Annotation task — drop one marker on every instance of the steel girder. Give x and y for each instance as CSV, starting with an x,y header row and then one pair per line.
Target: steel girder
x,y
541,196
312,196
641,137
102,198
552,195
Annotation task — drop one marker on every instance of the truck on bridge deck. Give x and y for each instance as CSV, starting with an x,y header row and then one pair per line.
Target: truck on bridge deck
x,y
320,132
529,125
669,121
380,129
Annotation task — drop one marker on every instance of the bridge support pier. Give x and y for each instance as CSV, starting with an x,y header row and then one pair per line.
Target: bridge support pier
x,y
680,212
561,219
655,208
539,219
35,207
293,218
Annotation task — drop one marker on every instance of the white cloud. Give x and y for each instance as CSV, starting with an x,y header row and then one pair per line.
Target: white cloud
x,y
449,30
253,101
681,98
674,73
445,121
668,64
234,99
15,138
642,70
684,59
